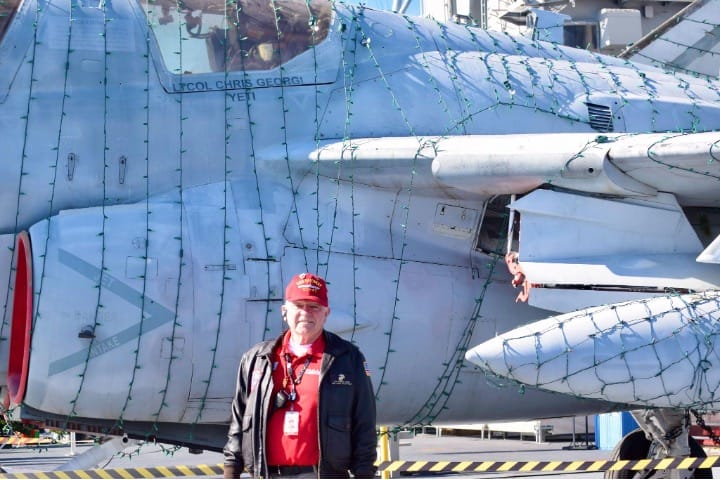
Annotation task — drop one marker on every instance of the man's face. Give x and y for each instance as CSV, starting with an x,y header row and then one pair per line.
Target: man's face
x,y
306,319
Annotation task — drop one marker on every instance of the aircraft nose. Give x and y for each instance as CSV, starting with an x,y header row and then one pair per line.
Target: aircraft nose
x,y
583,353
512,355
653,352
489,357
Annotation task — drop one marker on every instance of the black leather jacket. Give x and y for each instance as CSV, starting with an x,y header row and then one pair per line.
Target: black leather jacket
x,y
346,408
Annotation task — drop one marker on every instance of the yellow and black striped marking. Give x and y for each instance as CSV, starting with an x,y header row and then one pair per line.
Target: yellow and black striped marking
x,y
400,466
139,472
682,463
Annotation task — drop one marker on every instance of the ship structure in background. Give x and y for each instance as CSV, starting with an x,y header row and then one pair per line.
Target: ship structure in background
x,y
677,35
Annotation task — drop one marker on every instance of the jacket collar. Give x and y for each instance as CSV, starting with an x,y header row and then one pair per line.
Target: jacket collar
x,y
334,345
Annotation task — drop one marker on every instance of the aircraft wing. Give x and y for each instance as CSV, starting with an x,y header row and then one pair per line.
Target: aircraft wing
x,y
635,165
566,254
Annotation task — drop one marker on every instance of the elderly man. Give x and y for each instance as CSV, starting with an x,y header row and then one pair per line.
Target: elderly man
x,y
304,405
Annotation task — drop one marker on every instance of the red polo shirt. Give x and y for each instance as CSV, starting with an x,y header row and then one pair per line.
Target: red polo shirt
x,y
302,449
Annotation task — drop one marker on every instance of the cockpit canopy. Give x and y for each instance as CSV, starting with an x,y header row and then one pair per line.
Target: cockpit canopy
x,y
7,11
236,35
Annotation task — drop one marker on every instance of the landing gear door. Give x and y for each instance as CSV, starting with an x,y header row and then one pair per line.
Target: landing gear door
x,y
221,289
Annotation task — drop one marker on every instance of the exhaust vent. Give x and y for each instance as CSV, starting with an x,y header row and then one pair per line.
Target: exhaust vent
x,y
600,116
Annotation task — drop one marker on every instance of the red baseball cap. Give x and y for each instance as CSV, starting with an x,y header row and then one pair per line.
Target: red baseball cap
x,y
306,286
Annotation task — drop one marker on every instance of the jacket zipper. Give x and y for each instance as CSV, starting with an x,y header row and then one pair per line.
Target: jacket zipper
x,y
324,367
265,473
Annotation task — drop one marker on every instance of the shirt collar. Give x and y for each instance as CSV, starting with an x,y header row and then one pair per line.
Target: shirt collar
x,y
317,348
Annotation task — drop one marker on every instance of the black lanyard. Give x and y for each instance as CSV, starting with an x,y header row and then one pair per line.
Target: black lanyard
x,y
294,381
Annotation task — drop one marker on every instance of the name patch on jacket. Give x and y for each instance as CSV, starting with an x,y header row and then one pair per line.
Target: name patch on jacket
x,y
341,380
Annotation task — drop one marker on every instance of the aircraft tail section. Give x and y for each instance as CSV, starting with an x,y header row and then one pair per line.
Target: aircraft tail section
x,y
688,42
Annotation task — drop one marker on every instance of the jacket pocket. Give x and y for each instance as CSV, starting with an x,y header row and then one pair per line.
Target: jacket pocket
x,y
338,450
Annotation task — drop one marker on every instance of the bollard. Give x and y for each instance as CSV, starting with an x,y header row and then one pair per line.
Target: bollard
x,y
384,449
73,444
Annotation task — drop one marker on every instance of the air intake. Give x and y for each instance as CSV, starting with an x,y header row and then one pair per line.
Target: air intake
x,y
600,116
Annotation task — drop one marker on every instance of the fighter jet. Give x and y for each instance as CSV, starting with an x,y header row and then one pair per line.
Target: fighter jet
x,y
167,166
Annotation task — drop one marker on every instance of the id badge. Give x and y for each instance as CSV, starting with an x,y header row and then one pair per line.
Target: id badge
x,y
291,425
